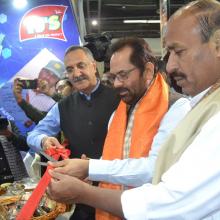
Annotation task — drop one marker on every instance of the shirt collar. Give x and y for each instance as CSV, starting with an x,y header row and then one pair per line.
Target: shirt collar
x,y
194,100
88,97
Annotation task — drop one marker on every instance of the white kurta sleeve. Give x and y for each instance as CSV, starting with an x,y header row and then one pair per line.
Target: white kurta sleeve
x,y
190,189
136,172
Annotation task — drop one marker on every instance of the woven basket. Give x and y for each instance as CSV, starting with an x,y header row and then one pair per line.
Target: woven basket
x,y
59,208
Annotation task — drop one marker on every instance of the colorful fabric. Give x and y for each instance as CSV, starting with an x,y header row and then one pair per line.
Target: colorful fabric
x,y
127,139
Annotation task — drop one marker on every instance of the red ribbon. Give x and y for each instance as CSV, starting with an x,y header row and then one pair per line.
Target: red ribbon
x,y
30,206
57,152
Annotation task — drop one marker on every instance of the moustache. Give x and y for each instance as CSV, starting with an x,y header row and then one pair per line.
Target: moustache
x,y
79,78
177,74
120,90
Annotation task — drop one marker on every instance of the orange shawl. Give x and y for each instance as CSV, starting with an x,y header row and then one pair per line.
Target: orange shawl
x,y
147,117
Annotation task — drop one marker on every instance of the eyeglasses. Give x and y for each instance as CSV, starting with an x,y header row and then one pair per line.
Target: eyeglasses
x,y
121,76
79,66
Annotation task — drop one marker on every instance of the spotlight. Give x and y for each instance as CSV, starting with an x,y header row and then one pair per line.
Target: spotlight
x,y
19,3
94,22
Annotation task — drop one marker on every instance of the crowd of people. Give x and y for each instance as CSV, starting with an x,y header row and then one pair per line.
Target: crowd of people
x,y
148,151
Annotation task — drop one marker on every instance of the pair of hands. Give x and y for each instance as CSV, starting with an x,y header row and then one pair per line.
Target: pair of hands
x,y
66,189
66,184
72,167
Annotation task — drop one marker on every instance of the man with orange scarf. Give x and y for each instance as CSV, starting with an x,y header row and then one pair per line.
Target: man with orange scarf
x,y
144,101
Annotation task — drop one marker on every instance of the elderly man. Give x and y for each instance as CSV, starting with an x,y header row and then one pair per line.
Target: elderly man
x,y
187,176
83,116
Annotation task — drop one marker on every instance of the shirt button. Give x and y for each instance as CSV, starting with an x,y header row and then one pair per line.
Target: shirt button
x,y
90,123
1,158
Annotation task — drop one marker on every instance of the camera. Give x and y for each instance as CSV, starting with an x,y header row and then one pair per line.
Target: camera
x,y
98,44
3,123
28,83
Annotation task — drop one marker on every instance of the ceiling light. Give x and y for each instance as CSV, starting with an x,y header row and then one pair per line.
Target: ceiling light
x,y
19,3
94,22
141,21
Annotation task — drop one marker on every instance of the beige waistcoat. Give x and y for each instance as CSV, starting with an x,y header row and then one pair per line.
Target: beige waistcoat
x,y
185,133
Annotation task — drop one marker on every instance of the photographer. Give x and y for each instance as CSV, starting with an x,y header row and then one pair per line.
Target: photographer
x,y
30,111
63,88
11,142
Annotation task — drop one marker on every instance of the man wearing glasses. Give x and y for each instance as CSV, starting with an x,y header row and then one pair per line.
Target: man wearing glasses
x,y
83,116
144,101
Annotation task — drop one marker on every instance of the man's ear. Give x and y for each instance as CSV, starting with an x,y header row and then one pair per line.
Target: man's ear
x,y
216,39
94,64
149,72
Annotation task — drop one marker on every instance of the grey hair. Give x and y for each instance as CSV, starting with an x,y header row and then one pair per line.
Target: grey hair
x,y
84,49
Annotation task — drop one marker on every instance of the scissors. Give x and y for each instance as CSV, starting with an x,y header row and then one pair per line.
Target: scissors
x,y
47,156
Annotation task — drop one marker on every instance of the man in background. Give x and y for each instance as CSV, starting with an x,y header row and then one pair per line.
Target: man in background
x,y
63,88
51,73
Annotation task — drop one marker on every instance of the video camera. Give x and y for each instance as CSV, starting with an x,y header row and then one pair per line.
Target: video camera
x,y
98,44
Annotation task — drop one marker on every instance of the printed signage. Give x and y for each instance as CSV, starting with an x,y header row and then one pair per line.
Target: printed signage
x,y
33,41
45,21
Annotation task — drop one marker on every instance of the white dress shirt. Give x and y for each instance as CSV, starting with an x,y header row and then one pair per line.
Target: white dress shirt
x,y
189,190
136,172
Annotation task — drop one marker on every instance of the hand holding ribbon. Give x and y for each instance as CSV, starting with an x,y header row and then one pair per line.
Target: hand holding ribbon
x,y
57,152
